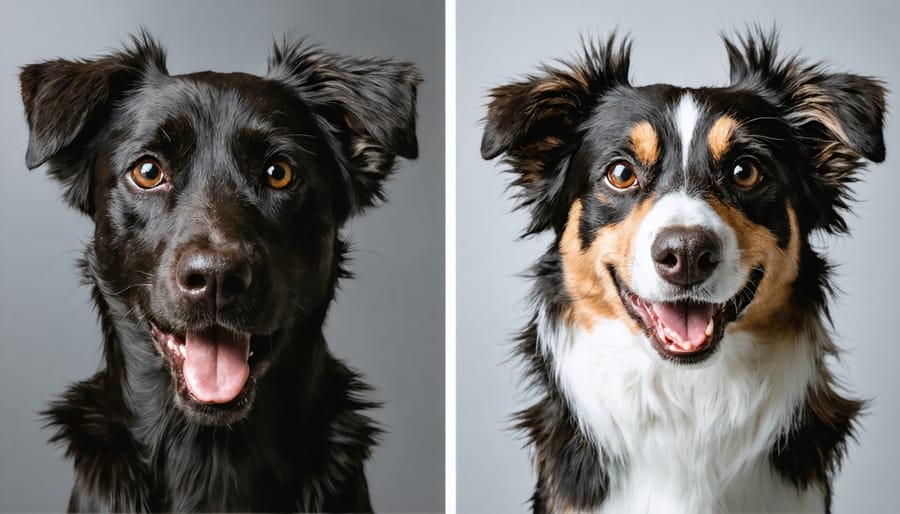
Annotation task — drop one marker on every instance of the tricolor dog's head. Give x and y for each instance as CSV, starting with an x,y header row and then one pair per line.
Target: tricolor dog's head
x,y
685,213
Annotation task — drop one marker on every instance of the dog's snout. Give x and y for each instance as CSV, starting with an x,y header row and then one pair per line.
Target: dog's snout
x,y
207,276
686,255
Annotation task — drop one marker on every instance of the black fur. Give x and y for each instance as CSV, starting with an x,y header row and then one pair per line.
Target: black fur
x,y
558,130
297,438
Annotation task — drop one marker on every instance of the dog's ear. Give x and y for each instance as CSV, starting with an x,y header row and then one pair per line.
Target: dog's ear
x,y
366,106
537,123
68,102
837,118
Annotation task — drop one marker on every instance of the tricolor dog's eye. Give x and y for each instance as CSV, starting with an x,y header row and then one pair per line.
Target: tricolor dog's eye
x,y
279,175
620,175
147,174
745,174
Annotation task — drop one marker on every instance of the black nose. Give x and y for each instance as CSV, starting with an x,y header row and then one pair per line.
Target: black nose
x,y
686,255
205,276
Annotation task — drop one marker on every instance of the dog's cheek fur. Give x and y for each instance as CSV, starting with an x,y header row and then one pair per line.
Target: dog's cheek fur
x,y
588,253
772,313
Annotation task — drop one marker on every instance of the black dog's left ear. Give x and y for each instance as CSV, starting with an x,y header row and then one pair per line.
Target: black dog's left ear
x,y
837,117
367,105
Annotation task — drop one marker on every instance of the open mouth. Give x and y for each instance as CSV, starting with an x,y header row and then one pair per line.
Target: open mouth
x,y
687,331
215,368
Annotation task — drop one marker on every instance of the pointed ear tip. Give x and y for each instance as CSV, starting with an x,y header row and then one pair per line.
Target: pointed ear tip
x,y
410,150
33,160
489,149
878,154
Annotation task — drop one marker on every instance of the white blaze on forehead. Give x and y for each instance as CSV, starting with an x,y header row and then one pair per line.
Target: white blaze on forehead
x,y
682,210
686,114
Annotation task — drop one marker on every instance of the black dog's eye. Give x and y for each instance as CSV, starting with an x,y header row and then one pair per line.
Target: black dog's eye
x,y
147,174
279,175
620,175
745,174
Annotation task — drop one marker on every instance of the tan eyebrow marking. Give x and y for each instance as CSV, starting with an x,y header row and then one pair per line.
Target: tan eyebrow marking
x,y
719,136
645,143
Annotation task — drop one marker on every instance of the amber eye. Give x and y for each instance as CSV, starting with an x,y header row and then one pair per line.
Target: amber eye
x,y
621,175
147,174
279,175
746,174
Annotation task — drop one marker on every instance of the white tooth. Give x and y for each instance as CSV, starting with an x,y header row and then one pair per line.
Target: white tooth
x,y
710,327
182,351
251,353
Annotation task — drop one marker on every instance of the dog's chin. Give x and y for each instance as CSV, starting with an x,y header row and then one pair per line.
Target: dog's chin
x,y
214,370
687,331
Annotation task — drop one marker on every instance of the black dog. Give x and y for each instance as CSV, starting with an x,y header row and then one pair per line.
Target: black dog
x,y
217,200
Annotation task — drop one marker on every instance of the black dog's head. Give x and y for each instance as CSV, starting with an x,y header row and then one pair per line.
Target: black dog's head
x,y
217,197
680,211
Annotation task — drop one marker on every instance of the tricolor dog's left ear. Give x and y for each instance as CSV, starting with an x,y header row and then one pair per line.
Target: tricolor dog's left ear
x,y
367,107
837,118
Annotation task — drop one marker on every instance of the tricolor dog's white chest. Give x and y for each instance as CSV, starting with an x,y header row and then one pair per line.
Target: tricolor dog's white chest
x,y
687,439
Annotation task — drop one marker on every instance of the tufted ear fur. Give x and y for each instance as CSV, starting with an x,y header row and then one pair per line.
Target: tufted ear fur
x,y
367,105
837,118
536,124
68,102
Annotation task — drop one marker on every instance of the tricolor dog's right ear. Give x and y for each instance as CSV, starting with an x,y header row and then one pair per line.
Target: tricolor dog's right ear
x,y
535,124
67,104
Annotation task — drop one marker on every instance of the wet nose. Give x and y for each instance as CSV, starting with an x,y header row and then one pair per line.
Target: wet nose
x,y
686,255
206,276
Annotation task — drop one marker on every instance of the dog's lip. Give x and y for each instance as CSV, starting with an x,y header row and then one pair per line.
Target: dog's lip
x,y
646,314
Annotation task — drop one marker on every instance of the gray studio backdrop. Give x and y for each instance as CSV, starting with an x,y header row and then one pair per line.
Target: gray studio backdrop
x,y
675,42
387,323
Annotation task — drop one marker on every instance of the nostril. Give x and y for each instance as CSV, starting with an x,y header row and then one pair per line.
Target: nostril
x,y
194,281
670,260
237,281
705,262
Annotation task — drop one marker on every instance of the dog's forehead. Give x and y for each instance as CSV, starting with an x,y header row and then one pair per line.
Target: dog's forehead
x,y
210,101
671,109
669,129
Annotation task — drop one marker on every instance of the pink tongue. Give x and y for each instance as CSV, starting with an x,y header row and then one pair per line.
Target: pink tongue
x,y
215,364
686,321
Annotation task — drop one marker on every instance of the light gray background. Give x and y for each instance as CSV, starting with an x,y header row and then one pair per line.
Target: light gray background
x,y
388,322
675,42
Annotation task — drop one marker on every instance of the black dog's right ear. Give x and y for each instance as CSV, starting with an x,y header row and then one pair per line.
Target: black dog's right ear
x,y
535,123
67,103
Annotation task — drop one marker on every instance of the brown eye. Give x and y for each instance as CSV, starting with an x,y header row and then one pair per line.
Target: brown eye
x,y
279,175
147,174
621,175
746,174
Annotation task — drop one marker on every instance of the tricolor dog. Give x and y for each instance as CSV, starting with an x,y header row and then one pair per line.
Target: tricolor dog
x,y
679,338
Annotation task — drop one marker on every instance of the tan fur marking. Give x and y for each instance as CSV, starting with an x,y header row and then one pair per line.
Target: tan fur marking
x,y
645,143
770,315
719,136
593,293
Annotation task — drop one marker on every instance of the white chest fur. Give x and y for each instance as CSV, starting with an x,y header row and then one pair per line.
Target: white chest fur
x,y
692,439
